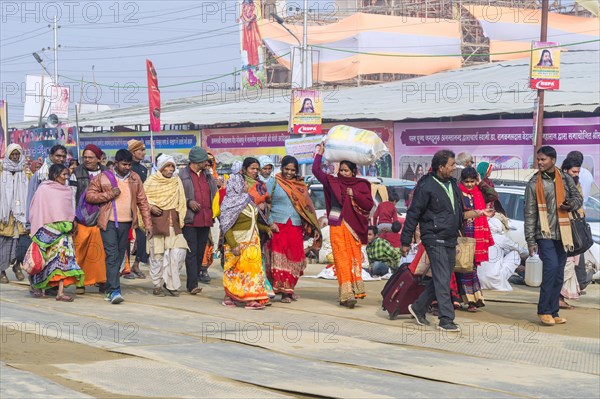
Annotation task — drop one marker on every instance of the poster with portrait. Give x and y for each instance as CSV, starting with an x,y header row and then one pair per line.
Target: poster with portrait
x,y
3,128
60,102
545,66
306,111
36,142
252,48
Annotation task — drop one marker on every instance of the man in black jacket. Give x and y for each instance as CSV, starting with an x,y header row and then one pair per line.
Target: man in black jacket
x,y
437,208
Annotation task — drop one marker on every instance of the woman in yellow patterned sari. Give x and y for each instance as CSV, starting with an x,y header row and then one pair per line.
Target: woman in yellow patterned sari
x,y
243,277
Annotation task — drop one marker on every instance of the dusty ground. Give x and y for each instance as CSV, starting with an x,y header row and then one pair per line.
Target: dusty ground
x,y
39,355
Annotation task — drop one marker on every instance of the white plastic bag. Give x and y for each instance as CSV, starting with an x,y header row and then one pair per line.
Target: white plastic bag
x,y
346,143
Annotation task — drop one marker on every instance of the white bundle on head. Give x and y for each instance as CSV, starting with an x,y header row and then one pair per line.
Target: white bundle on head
x,y
346,143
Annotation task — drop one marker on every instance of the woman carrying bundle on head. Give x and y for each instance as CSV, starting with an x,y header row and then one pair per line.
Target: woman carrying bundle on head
x,y
348,201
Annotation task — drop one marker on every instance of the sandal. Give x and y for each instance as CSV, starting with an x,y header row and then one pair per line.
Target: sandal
x,y
228,302
294,297
138,274
564,305
472,308
350,303
171,292
254,305
286,299
64,298
37,293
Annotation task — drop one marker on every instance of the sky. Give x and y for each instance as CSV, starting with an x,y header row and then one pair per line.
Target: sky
x,y
187,41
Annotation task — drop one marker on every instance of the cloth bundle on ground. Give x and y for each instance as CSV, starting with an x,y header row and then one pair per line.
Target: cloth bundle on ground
x,y
504,258
363,147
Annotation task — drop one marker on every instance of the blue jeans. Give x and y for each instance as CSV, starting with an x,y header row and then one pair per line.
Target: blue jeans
x,y
554,258
379,268
115,241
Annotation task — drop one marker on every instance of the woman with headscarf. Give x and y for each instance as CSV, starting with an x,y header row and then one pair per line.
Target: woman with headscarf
x,y
291,218
243,276
486,186
168,247
476,226
52,228
348,202
257,189
13,196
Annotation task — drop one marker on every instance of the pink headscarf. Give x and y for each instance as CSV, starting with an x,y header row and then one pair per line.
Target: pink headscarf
x,y
52,202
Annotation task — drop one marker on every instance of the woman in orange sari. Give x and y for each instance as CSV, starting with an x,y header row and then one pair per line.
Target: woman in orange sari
x,y
348,201
292,217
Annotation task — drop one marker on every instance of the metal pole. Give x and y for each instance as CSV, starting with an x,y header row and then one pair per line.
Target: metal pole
x,y
43,98
304,62
540,116
304,47
55,53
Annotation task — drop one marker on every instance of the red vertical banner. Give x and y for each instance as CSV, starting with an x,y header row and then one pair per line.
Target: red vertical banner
x,y
153,97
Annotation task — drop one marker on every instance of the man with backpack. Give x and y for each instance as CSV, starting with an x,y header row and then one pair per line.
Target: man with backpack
x,y
119,196
89,250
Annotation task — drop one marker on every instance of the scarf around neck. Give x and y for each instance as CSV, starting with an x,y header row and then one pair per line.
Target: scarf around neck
x,y
166,193
235,201
564,223
482,234
14,182
340,206
297,191
44,170
61,210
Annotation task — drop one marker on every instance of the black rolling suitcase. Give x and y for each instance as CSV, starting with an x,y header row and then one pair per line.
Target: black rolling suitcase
x,y
402,289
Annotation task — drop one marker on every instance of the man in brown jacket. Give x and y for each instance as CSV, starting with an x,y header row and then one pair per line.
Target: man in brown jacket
x,y
119,201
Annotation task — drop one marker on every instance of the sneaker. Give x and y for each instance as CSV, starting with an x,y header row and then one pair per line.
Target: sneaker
x,y
420,319
204,277
116,298
107,297
449,326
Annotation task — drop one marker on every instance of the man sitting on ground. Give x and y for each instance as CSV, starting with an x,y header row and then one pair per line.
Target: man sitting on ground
x,y
382,255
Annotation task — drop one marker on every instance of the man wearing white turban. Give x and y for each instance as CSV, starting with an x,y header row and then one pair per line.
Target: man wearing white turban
x,y
167,246
266,168
13,201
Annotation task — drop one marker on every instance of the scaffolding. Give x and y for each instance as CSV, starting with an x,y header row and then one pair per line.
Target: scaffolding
x,y
475,47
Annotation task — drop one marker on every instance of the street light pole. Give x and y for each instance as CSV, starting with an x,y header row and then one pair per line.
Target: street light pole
x,y
304,48
540,109
41,62
303,55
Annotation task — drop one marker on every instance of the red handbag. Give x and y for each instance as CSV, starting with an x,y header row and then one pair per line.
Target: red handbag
x,y
34,261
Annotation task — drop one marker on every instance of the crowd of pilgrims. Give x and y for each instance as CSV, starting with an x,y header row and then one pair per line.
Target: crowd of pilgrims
x,y
265,217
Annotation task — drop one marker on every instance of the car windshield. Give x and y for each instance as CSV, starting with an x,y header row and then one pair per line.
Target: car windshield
x,y
403,193
318,198
592,208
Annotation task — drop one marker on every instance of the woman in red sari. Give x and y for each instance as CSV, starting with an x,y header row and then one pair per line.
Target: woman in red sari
x,y
348,201
475,226
292,217
251,39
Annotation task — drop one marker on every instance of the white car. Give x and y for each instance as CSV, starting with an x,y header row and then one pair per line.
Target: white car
x,y
379,187
513,201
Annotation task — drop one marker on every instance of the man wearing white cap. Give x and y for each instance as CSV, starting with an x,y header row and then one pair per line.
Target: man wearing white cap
x,y
168,246
266,168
